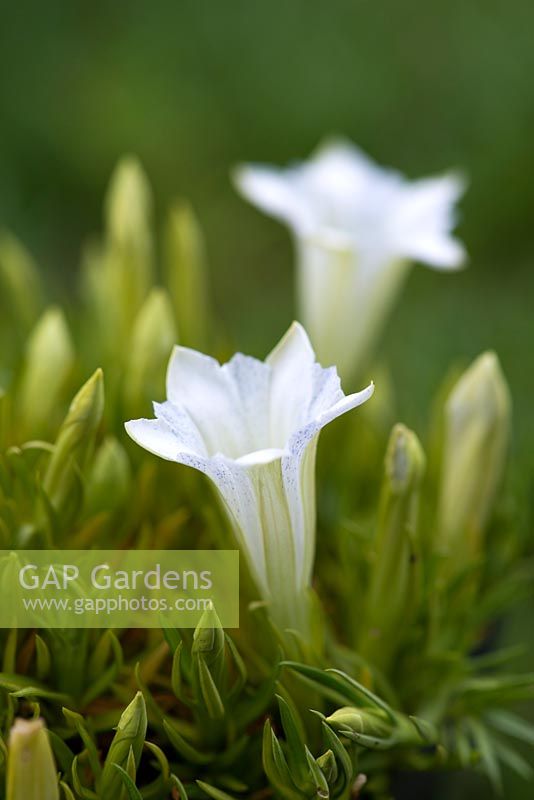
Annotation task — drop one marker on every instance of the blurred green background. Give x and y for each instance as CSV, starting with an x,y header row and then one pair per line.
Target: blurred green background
x,y
194,86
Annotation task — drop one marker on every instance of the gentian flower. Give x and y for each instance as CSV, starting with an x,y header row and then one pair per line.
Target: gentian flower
x,y
356,227
252,428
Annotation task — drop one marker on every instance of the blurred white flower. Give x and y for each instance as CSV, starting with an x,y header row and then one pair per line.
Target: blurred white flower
x,y
252,428
357,226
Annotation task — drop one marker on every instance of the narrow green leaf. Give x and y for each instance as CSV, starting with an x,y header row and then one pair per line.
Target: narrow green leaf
x,y
275,765
132,791
211,791
321,784
185,749
210,694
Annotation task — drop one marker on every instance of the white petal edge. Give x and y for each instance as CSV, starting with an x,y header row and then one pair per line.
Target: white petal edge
x,y
291,363
259,457
295,343
347,403
153,435
271,190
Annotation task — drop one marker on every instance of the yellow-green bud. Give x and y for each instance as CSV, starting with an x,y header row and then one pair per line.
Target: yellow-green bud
x,y
48,362
328,766
109,478
376,728
129,239
208,638
129,738
76,437
476,434
366,721
128,204
186,275
392,591
20,286
152,340
31,770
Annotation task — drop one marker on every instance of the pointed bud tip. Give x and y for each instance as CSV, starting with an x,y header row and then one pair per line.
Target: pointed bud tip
x,y
482,389
134,715
90,394
25,728
405,459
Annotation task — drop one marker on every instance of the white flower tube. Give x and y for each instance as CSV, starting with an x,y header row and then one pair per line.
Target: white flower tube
x,y
356,226
252,428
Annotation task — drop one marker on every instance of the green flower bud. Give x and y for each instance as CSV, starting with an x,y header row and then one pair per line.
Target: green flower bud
x,y
129,737
209,648
152,340
75,439
109,478
476,434
20,286
48,362
208,638
186,274
328,766
128,217
392,589
375,728
128,204
367,721
31,770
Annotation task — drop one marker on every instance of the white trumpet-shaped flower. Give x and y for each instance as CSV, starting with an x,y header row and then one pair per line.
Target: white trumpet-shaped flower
x,y
356,226
252,427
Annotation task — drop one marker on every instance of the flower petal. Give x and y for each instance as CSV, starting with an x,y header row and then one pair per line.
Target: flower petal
x,y
251,381
425,218
273,191
347,403
198,384
237,491
182,427
156,437
258,457
340,169
292,363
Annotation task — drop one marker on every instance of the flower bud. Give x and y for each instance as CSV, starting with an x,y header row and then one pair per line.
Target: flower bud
x,y
366,721
49,360
75,439
152,340
328,766
186,274
376,727
129,206
208,638
127,265
476,434
20,286
31,770
393,587
109,478
130,736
